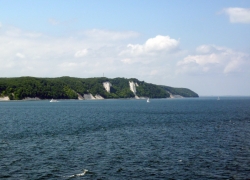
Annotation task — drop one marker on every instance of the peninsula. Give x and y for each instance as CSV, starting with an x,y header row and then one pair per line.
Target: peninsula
x,y
65,87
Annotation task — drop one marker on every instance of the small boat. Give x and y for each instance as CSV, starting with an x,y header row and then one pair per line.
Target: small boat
x,y
148,100
218,98
53,100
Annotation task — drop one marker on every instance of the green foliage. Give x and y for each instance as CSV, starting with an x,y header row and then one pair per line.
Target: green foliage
x,y
68,87
70,93
180,91
151,90
120,87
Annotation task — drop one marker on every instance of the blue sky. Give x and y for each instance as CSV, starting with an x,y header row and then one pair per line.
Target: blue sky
x,y
197,44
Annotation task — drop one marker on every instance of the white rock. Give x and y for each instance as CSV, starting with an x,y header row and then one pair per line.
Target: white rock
x,y
132,86
91,97
98,96
5,98
88,96
136,97
30,99
80,97
107,86
174,95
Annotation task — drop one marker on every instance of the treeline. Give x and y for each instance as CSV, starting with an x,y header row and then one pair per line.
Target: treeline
x,y
44,88
69,87
180,91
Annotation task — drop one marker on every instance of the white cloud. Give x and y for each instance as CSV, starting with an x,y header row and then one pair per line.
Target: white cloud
x,y
152,46
233,66
33,35
19,55
216,59
53,21
13,32
161,43
200,59
37,54
127,61
154,72
206,49
238,15
81,53
106,35
56,22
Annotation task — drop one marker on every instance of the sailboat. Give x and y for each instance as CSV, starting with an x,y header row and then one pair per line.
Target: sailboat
x,y
148,100
218,98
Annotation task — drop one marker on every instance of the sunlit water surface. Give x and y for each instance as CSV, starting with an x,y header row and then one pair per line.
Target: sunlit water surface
x,y
199,138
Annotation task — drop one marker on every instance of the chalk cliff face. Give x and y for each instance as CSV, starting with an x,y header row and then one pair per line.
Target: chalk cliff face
x,y
91,97
80,97
98,97
88,96
5,98
174,96
31,98
107,86
132,86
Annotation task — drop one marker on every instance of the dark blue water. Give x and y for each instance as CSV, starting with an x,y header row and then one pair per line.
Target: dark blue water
x,y
126,139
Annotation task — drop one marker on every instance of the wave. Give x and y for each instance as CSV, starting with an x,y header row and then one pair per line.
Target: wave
x,y
80,174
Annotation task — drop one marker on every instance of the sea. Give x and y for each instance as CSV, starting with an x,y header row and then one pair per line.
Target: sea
x,y
188,138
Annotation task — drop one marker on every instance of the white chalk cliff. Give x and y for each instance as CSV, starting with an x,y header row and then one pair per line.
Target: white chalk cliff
x,y
5,98
88,96
132,86
174,95
91,97
31,98
98,96
107,86
80,97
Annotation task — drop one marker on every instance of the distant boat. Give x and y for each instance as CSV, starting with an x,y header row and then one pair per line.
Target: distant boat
x,y
148,100
53,100
218,98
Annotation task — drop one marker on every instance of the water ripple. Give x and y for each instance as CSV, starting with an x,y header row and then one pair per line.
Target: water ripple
x,y
166,139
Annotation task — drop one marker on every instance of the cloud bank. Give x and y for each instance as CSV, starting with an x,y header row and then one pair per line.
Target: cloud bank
x,y
158,59
37,54
82,54
213,59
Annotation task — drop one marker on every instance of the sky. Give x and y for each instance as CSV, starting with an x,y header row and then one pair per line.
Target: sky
x,y
197,44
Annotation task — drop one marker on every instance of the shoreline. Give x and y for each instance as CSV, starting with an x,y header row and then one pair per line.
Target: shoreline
x,y
38,99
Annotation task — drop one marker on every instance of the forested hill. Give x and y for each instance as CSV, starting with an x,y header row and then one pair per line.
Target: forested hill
x,y
71,88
